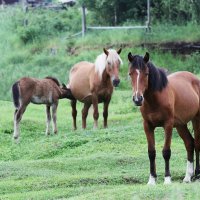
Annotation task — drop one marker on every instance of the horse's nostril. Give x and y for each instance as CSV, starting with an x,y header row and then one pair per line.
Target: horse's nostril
x,y
116,82
141,98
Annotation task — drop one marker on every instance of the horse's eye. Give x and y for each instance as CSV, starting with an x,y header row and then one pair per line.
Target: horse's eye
x,y
129,73
109,63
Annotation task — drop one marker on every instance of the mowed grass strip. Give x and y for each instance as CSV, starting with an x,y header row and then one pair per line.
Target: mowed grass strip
x,y
107,163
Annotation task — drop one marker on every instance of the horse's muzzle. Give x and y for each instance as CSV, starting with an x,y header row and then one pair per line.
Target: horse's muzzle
x,y
138,101
116,82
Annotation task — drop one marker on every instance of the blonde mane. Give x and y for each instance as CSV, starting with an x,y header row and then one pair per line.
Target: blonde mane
x,y
101,61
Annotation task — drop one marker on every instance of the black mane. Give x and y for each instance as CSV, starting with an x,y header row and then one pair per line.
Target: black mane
x,y
157,77
53,79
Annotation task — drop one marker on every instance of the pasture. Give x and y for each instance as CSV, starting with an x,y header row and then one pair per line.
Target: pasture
x,y
91,164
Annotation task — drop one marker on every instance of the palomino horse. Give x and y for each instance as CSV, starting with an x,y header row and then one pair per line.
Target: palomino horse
x,y
92,83
167,102
38,91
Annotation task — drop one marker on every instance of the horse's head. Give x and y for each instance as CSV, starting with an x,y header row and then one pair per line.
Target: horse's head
x,y
113,62
139,74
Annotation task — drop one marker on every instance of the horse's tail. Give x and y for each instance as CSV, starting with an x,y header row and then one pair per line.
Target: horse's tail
x,y
15,94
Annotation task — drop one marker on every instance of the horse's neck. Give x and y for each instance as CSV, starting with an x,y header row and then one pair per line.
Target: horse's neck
x,y
150,98
106,79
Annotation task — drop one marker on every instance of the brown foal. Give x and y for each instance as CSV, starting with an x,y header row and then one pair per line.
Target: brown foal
x,y
38,91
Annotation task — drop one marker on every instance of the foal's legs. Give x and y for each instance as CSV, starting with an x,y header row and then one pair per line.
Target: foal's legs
x,y
105,112
74,113
167,151
96,112
85,113
54,110
48,112
17,119
196,127
189,145
149,131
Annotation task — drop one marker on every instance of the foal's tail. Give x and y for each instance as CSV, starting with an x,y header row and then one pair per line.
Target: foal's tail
x,y
15,94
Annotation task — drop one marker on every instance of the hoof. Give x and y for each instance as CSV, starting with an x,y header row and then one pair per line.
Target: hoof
x,y
196,177
167,180
152,181
47,133
187,179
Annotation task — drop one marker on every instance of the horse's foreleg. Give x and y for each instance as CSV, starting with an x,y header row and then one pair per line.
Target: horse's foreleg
x,y
74,113
96,111
196,127
105,112
54,110
149,131
48,112
85,114
17,118
167,151
189,145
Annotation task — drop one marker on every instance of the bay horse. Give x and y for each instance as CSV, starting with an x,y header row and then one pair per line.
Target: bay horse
x,y
167,101
38,91
92,83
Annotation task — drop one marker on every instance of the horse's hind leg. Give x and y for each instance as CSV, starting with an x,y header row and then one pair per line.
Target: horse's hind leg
x,y
74,113
85,114
189,145
48,112
105,112
54,110
17,119
196,127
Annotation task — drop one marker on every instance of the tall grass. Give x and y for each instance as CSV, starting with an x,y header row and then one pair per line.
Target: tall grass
x,y
51,53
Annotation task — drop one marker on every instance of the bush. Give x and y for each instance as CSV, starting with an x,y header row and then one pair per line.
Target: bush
x,y
43,24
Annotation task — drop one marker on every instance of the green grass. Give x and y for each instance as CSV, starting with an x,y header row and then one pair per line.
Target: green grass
x,y
87,164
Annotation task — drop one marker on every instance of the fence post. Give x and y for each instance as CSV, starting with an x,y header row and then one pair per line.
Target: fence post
x,y
148,15
83,21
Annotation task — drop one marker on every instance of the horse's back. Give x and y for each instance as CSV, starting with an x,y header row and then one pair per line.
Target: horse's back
x,y
186,90
80,79
38,91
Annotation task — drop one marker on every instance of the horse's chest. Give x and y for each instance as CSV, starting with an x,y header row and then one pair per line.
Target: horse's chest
x,y
155,118
103,95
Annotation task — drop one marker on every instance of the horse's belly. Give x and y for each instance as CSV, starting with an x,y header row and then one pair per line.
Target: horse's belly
x,y
41,100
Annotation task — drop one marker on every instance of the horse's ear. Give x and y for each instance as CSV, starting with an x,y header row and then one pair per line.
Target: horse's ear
x,y
105,51
146,57
119,50
130,57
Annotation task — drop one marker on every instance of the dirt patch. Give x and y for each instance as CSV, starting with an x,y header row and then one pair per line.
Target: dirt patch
x,y
183,48
174,47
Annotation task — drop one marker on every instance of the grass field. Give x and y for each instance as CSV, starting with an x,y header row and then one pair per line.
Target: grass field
x,y
87,164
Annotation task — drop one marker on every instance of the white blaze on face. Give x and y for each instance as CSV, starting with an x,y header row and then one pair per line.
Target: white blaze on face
x,y
137,84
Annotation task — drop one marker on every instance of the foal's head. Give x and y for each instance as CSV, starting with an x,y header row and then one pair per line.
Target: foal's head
x,y
113,62
139,74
